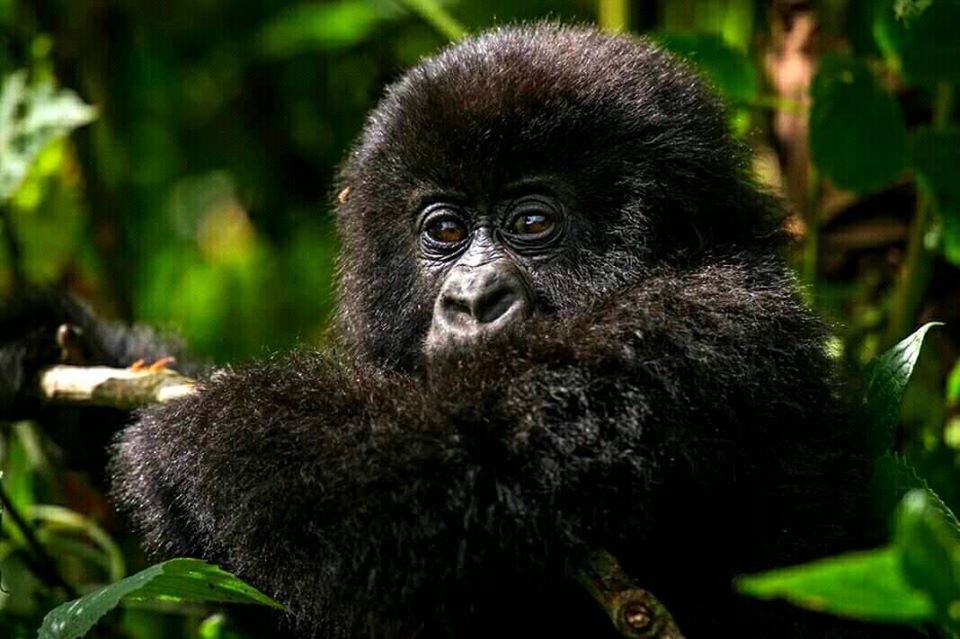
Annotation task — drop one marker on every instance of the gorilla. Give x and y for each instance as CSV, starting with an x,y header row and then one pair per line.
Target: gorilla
x,y
564,324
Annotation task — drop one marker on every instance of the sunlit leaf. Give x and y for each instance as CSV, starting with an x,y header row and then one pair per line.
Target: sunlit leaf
x,y
177,580
433,13
857,135
30,118
305,27
886,380
865,585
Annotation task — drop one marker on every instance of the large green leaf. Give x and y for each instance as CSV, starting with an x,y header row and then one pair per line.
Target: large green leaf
x,y
865,585
925,46
177,580
886,380
929,544
30,118
857,135
935,156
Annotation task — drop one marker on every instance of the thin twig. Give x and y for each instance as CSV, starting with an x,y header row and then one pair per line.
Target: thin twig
x,y
116,387
635,612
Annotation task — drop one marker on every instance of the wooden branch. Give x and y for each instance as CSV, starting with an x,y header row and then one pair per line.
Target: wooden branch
x,y
116,387
635,612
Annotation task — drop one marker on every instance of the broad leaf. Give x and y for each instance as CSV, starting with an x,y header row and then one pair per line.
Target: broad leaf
x,y
177,580
857,135
864,585
30,118
886,380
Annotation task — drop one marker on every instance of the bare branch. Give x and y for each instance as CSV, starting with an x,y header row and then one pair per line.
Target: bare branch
x,y
116,387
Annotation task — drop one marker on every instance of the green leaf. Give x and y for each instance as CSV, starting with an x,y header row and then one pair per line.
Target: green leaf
x,y
886,380
30,118
929,547
935,156
924,48
730,70
857,135
177,580
324,26
864,585
435,15
953,386
896,477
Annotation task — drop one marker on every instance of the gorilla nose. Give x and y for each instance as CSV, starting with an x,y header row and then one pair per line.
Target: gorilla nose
x,y
483,298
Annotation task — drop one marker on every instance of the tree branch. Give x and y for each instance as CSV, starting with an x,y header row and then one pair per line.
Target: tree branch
x,y
116,387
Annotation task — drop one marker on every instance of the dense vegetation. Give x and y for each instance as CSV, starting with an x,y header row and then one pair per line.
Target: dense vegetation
x,y
171,162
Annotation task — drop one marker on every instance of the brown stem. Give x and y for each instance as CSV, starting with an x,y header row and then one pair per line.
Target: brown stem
x,y
635,612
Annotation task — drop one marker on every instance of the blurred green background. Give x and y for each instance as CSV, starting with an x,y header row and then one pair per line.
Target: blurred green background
x,y
199,197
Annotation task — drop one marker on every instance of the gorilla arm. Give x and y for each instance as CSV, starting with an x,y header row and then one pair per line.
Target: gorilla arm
x,y
352,495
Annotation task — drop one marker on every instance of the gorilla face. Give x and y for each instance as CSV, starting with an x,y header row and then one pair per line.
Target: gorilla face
x,y
484,256
496,182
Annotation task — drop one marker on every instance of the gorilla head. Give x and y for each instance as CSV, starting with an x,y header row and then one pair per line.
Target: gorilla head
x,y
530,171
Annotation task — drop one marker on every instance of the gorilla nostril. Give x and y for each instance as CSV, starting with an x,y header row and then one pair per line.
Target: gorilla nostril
x,y
478,301
494,305
453,307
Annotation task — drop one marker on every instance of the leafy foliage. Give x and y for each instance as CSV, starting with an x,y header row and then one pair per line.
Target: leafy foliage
x,y
857,136
914,580
867,585
30,118
936,158
886,380
196,201
174,581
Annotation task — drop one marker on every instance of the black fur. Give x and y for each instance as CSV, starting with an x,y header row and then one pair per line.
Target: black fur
x,y
674,405
28,343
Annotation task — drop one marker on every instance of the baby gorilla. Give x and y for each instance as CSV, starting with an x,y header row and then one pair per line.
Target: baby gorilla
x,y
564,326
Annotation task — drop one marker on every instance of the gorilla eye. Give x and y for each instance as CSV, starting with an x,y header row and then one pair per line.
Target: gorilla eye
x,y
532,224
533,219
446,230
